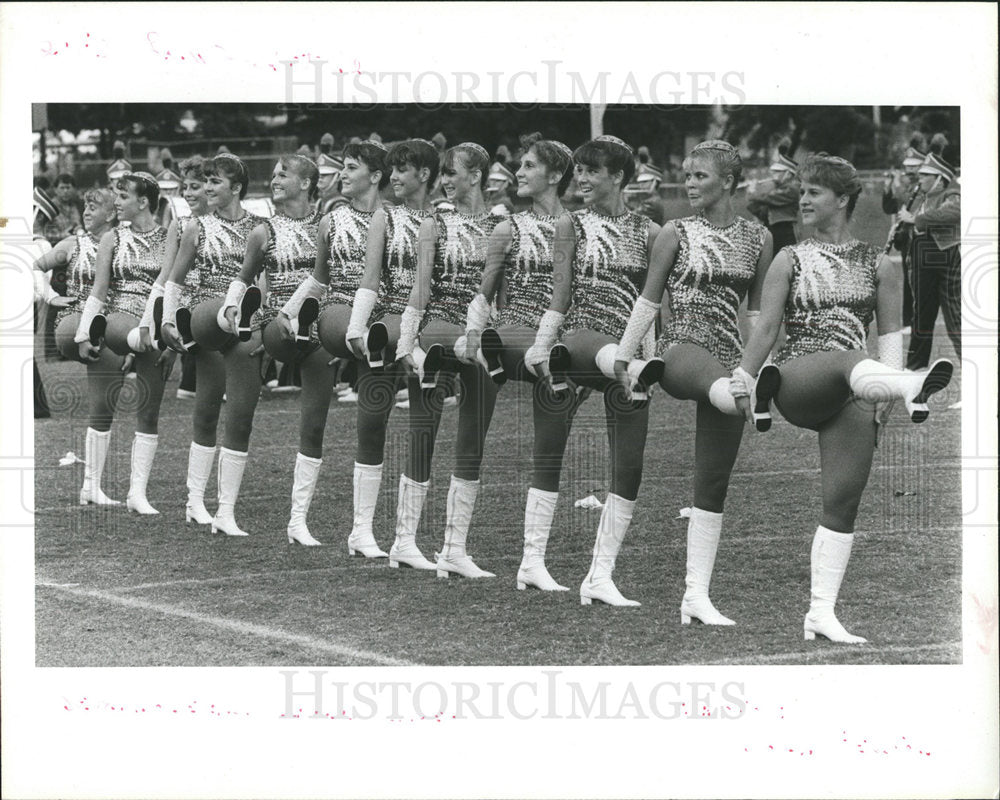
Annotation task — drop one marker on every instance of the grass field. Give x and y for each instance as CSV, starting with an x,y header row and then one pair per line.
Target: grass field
x,y
114,590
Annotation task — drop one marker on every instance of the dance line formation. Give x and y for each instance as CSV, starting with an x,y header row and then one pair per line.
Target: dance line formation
x,y
437,287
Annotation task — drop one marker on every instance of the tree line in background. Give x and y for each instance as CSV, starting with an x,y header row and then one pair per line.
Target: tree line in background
x,y
873,138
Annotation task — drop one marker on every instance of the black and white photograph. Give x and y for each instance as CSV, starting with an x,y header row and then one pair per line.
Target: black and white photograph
x,y
501,399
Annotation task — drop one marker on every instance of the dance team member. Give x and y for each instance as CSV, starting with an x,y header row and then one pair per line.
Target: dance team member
x,y
390,272
602,254
520,253
707,263
214,245
128,260
77,255
341,247
828,288
451,258
283,247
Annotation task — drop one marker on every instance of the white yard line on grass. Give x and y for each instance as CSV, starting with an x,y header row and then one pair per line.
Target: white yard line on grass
x,y
863,649
234,626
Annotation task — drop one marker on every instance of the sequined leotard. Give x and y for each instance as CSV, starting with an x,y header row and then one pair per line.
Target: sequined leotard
x,y
347,243
222,243
529,268
831,301
135,264
399,263
80,273
708,281
608,271
289,259
459,258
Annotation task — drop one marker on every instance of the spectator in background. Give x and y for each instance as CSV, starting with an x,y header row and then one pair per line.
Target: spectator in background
x,y
326,143
329,181
900,192
936,259
642,195
775,202
69,219
498,186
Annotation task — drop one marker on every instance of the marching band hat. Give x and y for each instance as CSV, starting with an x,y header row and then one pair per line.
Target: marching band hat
x,y
935,165
648,173
498,172
913,157
784,163
329,165
118,168
168,179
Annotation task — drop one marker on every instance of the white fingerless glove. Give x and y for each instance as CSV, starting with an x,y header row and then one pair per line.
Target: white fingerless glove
x,y
642,316
233,297
156,291
741,383
310,287
91,309
548,333
478,316
361,310
171,302
409,324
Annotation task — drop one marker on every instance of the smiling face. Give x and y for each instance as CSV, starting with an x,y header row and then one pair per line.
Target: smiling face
x,y
355,179
218,191
286,184
705,184
533,177
98,212
457,180
193,192
406,180
597,186
820,205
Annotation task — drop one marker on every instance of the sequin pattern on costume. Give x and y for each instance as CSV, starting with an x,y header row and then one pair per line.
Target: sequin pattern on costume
x,y
222,244
289,259
460,255
135,264
194,274
708,281
399,265
80,273
347,241
529,268
608,271
831,301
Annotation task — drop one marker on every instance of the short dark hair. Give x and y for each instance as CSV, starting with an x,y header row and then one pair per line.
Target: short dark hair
x,y
65,177
232,168
142,187
373,155
417,153
599,153
554,155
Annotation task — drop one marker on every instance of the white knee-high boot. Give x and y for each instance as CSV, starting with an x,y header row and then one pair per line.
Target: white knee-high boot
x,y
143,452
409,506
303,488
232,464
876,382
539,510
367,481
200,460
598,585
95,453
453,558
830,553
703,533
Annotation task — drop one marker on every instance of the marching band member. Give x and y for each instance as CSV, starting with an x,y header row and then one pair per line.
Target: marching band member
x,y
828,288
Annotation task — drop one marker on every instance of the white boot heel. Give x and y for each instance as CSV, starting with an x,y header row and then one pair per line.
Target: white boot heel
x,y
197,514
228,526
685,619
139,505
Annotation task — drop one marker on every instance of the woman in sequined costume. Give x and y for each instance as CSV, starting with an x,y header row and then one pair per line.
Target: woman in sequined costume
x,y
284,248
452,256
707,263
602,253
390,272
520,256
341,246
214,246
827,289
77,256
128,260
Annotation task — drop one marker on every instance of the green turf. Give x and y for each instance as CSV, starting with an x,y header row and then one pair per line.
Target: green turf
x,y
133,592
